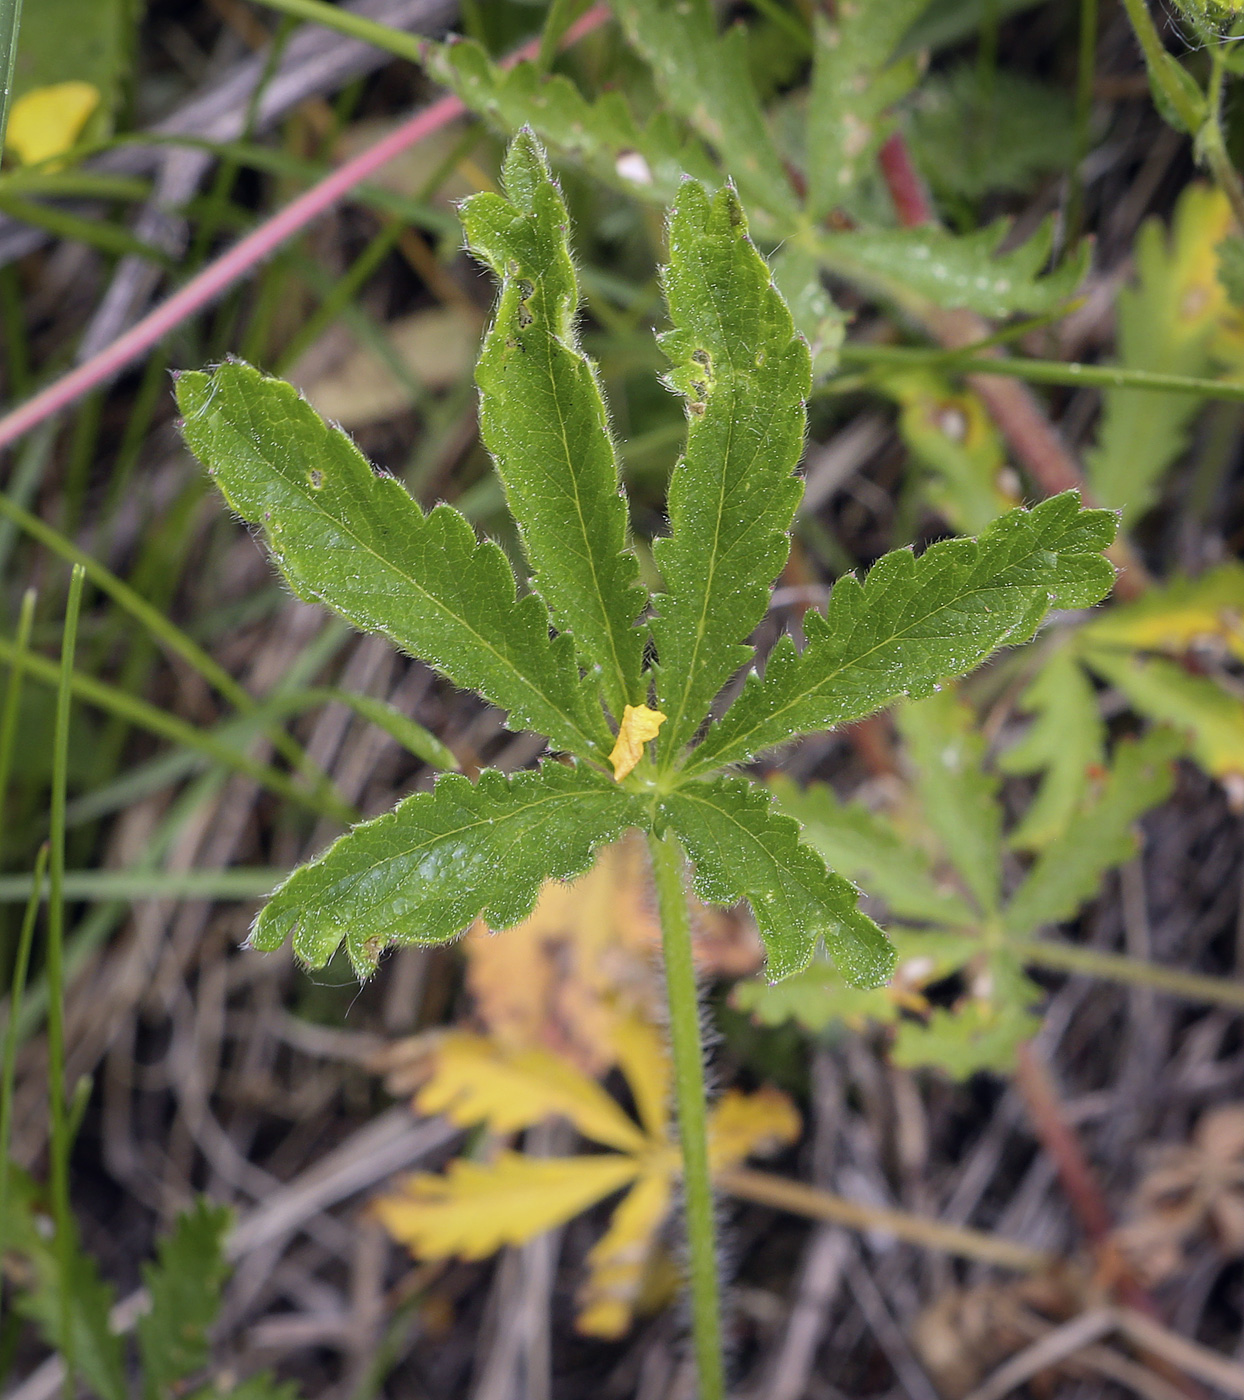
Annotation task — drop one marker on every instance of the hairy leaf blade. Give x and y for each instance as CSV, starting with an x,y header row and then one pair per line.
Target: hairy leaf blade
x,y
744,849
916,621
542,416
706,80
424,871
357,542
745,376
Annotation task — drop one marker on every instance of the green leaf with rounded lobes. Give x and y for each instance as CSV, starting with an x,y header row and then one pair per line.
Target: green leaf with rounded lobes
x,y
743,848
354,539
543,418
426,870
745,374
915,621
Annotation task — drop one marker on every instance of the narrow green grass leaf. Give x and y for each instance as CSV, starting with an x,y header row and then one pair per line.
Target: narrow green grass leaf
x,y
706,79
915,621
1066,744
744,374
356,541
542,416
960,270
958,794
423,872
867,848
1100,836
853,83
185,1284
744,849
648,160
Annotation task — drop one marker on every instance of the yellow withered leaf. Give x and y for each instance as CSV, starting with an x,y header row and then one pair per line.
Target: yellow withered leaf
x,y
478,1081
588,956
639,724
620,1260
643,1061
476,1208
47,121
741,1124
1183,614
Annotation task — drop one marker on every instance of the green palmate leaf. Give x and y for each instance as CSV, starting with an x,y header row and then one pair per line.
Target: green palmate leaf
x,y
1099,837
1196,706
965,1040
543,419
185,1287
706,80
853,83
648,160
1066,743
440,859
353,539
815,998
744,373
867,848
743,849
950,433
960,270
957,792
916,621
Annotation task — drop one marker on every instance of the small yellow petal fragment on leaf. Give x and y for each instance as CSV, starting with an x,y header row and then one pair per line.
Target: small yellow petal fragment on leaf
x,y
639,724
46,121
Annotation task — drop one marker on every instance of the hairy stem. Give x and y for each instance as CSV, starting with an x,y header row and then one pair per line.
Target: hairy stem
x,y
688,1057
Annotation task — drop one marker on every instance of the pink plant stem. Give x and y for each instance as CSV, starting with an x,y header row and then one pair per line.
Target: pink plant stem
x,y
202,289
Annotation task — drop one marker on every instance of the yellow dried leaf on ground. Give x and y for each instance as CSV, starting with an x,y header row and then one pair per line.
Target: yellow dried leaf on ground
x,y
48,121
743,1124
639,724
1178,616
475,1209
589,954
642,1058
620,1260
476,1081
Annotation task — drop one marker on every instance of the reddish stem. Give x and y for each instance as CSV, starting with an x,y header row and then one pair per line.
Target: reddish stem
x,y
244,256
907,190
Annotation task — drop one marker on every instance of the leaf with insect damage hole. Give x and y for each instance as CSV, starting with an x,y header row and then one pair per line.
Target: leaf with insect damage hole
x,y
356,541
744,849
543,419
744,374
915,621
440,859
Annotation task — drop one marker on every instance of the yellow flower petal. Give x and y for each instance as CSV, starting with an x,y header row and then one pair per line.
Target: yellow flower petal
x,y
639,724
47,121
